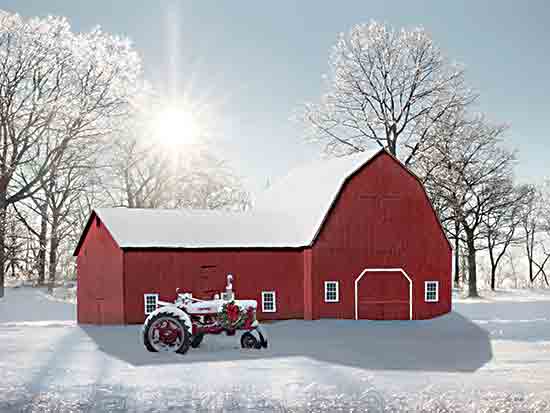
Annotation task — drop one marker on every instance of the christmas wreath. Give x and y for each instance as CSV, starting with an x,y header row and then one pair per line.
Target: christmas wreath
x,y
231,316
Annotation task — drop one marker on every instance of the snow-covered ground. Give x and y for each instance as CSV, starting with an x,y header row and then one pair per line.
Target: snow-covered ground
x,y
488,355
516,295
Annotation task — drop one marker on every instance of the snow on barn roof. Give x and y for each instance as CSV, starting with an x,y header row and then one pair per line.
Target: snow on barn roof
x,y
288,214
183,228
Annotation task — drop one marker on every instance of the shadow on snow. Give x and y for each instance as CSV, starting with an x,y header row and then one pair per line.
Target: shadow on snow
x,y
447,343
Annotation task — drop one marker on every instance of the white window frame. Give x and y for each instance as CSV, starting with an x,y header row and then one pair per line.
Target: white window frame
x,y
337,284
431,300
145,297
274,295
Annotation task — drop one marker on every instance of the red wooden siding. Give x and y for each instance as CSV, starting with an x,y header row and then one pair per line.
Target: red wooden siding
x,y
308,284
382,219
100,283
150,271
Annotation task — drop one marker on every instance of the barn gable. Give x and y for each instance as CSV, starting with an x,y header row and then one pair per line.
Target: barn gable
x,y
402,168
93,218
380,244
100,276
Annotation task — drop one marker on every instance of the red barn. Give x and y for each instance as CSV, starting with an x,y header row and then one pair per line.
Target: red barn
x,y
352,237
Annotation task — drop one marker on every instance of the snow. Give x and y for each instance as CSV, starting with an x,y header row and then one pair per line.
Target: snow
x,y
511,294
288,214
173,228
170,309
451,363
62,293
33,304
42,323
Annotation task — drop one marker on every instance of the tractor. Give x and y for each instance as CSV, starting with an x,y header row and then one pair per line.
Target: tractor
x,y
174,327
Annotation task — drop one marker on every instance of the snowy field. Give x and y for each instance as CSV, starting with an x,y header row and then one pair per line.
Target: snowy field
x,y
489,355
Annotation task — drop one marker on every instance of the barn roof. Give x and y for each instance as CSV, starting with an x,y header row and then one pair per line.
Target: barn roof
x,y
289,214
180,228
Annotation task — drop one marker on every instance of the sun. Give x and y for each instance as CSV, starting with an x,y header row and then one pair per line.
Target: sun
x,y
175,126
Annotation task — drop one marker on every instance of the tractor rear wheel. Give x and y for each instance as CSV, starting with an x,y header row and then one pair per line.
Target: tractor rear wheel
x,y
166,331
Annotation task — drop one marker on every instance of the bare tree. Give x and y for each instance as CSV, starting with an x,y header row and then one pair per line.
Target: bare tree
x,y
501,223
535,222
31,95
207,182
471,172
27,213
56,87
16,243
65,183
141,175
144,177
512,272
387,88
437,164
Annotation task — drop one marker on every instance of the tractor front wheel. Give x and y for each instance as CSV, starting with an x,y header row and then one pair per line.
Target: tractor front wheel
x,y
196,340
249,341
165,331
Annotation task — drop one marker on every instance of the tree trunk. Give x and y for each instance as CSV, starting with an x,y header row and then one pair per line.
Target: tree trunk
x,y
3,215
463,268
493,262
457,254
54,244
43,243
129,192
472,269
529,250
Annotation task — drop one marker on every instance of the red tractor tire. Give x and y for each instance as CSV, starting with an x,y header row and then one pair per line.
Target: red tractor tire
x,y
175,327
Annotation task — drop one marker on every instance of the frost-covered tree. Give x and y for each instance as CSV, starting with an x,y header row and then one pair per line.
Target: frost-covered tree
x,y
16,246
144,177
139,175
472,173
501,223
438,162
57,89
386,88
535,222
207,182
144,173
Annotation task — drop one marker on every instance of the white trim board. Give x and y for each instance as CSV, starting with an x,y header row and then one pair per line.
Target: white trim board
x,y
385,270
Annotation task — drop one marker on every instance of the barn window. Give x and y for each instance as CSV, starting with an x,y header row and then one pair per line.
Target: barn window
x,y
269,304
331,292
150,301
431,291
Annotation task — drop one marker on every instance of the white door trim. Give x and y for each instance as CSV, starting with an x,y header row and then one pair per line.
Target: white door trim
x,y
385,270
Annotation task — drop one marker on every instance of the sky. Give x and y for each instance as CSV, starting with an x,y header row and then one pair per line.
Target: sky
x,y
252,64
